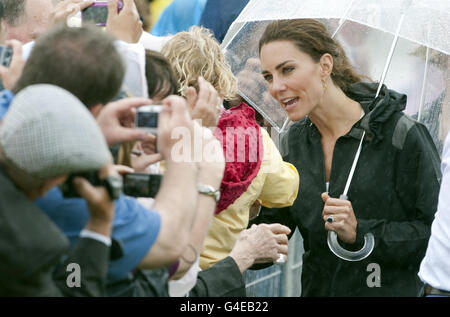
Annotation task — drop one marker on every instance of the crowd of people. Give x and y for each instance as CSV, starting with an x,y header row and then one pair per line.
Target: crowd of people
x,y
228,199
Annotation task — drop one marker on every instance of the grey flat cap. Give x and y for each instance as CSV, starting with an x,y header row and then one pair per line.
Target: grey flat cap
x,y
48,132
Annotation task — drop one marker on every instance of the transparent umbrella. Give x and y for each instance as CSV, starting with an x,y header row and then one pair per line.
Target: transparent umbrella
x,y
366,29
404,44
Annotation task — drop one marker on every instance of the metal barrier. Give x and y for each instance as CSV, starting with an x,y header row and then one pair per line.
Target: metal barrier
x,y
279,279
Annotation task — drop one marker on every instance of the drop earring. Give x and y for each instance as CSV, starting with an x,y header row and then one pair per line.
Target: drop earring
x,y
324,86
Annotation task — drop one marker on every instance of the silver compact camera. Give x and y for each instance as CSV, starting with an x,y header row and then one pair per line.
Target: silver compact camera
x,y
147,118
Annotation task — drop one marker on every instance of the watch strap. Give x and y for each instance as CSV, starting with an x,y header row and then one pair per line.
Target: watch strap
x,y
209,191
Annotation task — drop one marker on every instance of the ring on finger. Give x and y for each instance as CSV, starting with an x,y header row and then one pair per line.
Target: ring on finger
x,y
280,258
330,219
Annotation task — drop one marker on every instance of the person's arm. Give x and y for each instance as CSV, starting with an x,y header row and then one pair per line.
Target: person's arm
x,y
262,243
210,173
126,24
271,216
223,279
176,200
65,9
116,120
258,244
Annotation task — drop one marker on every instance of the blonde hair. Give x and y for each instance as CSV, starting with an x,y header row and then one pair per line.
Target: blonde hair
x,y
197,53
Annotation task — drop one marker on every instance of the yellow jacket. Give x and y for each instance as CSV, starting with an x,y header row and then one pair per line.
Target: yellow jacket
x,y
276,185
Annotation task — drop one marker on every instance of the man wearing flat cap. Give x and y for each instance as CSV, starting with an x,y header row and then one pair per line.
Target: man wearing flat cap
x,y
46,135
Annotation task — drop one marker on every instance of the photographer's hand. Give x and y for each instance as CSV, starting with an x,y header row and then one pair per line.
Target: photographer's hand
x,y
123,169
176,200
11,74
125,25
174,119
65,9
211,168
100,205
141,158
116,120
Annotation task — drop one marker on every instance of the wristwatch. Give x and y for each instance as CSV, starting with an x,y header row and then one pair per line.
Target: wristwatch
x,y
209,191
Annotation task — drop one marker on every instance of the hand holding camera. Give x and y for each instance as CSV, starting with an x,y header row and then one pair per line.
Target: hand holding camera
x,y
111,183
98,198
174,117
67,8
97,12
11,63
116,120
126,25
147,118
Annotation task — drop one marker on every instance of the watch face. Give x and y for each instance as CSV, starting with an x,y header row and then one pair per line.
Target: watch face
x,y
209,190
217,194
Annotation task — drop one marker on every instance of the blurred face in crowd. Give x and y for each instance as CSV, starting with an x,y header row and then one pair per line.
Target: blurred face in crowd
x,y
32,24
293,78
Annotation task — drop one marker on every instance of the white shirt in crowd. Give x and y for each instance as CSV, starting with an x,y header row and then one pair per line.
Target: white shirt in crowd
x,y
435,266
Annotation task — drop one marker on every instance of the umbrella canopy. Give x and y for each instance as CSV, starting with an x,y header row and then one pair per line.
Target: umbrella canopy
x,y
401,43
417,64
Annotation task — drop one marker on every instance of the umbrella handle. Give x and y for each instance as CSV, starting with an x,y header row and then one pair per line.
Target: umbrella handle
x,y
340,252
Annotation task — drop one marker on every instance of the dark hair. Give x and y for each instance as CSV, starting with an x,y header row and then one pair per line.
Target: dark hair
x,y
84,61
160,75
311,37
13,10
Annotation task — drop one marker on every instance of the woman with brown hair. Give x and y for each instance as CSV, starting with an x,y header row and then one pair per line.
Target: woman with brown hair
x,y
394,190
254,170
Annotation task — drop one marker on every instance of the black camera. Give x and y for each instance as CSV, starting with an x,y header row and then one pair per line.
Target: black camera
x,y
6,53
113,184
141,185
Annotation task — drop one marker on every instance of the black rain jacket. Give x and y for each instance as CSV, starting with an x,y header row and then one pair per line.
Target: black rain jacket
x,y
394,194
34,253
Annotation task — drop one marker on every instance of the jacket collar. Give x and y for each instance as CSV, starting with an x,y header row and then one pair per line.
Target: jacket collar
x,y
378,110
